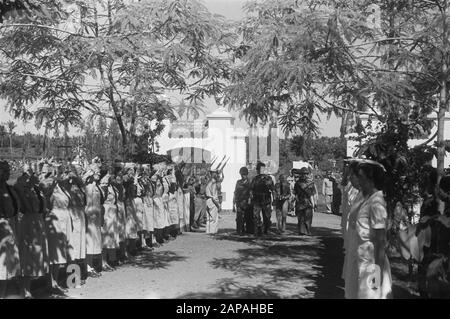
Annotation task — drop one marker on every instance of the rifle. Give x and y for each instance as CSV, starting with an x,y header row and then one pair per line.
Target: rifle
x,y
212,162
221,162
224,164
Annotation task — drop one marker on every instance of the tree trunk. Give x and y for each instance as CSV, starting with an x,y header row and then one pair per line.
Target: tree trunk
x,y
442,104
44,144
66,141
10,145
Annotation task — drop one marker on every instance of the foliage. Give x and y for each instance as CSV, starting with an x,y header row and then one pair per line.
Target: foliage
x,y
116,61
404,165
319,148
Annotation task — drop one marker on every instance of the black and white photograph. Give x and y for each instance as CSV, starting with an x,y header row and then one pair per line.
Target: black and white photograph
x,y
227,150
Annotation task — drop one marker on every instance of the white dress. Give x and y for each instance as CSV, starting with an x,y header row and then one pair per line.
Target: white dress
x,y
148,209
77,248
94,209
110,229
9,250
59,226
364,280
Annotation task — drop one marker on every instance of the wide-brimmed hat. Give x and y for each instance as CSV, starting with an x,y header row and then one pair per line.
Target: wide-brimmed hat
x,y
373,163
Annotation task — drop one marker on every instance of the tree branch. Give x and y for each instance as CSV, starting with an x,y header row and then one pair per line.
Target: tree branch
x,y
29,25
381,40
342,108
427,141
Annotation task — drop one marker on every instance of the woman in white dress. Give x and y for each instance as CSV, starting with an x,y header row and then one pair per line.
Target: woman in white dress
x,y
58,223
352,202
149,191
132,220
172,203
109,227
77,244
31,230
369,274
160,218
94,216
141,206
9,250
119,189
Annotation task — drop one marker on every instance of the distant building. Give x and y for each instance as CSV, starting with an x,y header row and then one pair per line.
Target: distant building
x,y
217,136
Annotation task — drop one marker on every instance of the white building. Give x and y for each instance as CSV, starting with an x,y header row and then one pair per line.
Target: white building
x,y
219,137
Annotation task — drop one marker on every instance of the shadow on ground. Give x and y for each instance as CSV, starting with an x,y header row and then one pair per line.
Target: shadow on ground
x,y
155,259
280,266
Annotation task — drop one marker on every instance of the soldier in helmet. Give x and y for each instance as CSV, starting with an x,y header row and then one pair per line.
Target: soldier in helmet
x,y
304,191
261,190
241,200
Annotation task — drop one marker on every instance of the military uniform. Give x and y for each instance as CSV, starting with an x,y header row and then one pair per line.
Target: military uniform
x,y
281,203
304,192
261,190
243,208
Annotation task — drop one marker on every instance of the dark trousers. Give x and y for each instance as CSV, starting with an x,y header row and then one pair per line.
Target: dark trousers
x,y
241,219
262,225
304,220
248,220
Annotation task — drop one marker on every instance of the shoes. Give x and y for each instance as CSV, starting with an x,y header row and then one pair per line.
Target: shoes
x,y
57,290
94,274
107,267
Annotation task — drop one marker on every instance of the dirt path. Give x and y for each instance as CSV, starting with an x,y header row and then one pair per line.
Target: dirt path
x,y
196,265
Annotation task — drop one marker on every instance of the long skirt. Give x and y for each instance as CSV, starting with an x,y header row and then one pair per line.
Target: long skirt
x,y
121,222
180,205
94,231
33,245
212,221
132,224
140,212
174,218
160,220
109,229
9,250
148,214
59,228
187,210
77,243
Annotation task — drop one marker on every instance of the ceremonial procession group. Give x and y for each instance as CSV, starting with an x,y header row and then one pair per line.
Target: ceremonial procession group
x,y
254,199
95,216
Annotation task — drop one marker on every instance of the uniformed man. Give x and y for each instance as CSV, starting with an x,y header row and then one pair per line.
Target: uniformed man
x,y
241,201
261,190
281,203
305,191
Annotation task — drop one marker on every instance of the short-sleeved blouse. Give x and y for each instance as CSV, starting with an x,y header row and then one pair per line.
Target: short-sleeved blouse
x,y
371,215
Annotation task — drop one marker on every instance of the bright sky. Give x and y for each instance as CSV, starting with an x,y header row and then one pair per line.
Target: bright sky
x,y
231,9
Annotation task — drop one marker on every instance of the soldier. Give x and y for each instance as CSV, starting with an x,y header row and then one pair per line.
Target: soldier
x,y
304,190
241,200
261,190
283,194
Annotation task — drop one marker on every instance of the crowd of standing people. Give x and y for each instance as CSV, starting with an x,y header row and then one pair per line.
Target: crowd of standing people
x,y
95,216
255,199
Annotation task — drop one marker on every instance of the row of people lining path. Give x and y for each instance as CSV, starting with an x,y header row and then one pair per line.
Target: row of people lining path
x,y
95,216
